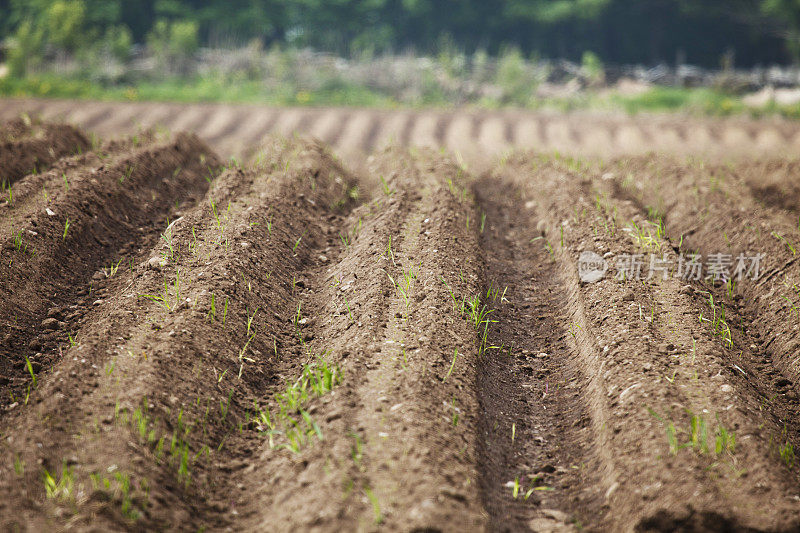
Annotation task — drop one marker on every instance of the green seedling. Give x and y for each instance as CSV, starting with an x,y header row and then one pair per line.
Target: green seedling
x,y
19,243
389,253
250,322
785,242
164,298
66,229
516,488
786,452
212,312
649,236
477,313
697,434
376,508
725,440
718,322
297,242
61,489
349,311
112,269
317,379
356,450
452,365
169,253
29,367
19,465
127,173
387,191
730,287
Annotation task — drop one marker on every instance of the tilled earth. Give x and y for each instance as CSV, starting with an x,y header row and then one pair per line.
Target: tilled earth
x,y
394,341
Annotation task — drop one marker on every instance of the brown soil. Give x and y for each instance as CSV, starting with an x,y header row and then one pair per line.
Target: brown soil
x,y
27,148
472,136
287,345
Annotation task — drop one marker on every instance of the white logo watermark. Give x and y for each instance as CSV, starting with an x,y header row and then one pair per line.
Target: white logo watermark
x,y
591,267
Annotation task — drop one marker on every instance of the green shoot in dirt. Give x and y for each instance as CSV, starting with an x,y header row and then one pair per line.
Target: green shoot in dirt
x,y
165,299
112,269
477,313
376,508
19,243
297,242
19,465
718,323
452,365
66,229
119,489
29,367
649,235
212,312
785,242
317,379
786,452
387,191
696,435
169,253
58,489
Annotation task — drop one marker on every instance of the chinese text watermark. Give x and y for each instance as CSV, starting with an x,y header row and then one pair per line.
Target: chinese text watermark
x,y
692,267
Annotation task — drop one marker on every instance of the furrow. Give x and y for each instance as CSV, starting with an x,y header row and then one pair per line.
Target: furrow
x,y
383,314
641,344
723,215
87,219
537,471
179,353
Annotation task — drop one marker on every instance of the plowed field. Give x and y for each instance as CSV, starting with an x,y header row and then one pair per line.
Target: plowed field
x,y
465,332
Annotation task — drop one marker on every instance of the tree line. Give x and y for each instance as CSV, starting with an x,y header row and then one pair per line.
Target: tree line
x,y
702,32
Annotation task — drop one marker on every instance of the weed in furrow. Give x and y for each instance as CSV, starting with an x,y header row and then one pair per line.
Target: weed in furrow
x,y
62,246
33,148
651,369
175,361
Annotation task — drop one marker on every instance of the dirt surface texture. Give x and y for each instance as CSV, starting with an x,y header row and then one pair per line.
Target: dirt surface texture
x,y
220,318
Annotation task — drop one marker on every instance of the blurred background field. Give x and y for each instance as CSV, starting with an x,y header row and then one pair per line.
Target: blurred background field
x,y
704,57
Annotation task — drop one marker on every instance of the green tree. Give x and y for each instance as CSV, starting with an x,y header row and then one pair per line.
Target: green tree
x,y
787,11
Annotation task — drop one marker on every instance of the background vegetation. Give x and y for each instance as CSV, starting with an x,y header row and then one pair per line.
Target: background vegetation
x,y
140,49
619,31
